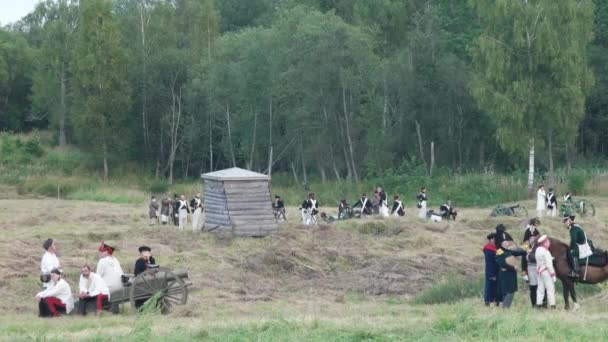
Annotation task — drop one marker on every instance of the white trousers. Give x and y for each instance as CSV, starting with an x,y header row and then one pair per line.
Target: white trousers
x,y
422,212
383,211
532,277
554,211
183,218
306,217
545,283
196,217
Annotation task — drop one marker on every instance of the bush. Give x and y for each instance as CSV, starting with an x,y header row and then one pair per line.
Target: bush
x,y
158,187
576,181
451,290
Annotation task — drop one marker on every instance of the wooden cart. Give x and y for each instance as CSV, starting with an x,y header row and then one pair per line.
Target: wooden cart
x,y
169,284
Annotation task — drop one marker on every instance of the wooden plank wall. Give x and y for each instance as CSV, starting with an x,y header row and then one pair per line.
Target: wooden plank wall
x,y
217,217
250,207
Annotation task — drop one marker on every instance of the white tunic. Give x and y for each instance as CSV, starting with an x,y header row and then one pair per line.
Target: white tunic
x,y
540,200
60,290
47,264
93,285
544,261
110,271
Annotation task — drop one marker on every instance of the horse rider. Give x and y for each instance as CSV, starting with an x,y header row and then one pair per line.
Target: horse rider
x,y
580,246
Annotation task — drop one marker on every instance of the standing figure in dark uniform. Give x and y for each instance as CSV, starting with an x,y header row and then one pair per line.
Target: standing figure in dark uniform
x,y
175,205
422,199
165,209
501,235
531,229
507,278
491,293
552,203
398,209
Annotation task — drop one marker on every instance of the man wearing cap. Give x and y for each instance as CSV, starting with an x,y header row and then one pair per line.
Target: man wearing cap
x,y
545,272
398,209
108,267
92,289
183,212
552,203
528,267
501,235
49,262
422,198
507,278
56,298
578,243
145,261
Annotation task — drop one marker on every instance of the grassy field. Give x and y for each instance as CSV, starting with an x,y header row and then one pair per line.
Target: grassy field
x,y
360,280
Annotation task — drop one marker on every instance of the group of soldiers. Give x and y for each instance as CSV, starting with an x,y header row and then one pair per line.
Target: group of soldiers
x,y
536,264
376,205
176,211
96,287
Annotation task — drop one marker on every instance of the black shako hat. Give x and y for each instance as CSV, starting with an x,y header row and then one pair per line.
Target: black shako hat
x,y
144,249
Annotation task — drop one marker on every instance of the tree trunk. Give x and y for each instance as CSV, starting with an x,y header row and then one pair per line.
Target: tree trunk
x,y
144,91
420,147
255,126
350,142
304,175
481,153
322,172
63,109
333,163
270,139
210,147
295,174
270,162
551,170
531,169
385,109
230,135
106,170
432,158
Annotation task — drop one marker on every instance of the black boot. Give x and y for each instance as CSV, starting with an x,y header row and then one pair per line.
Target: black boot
x,y
575,272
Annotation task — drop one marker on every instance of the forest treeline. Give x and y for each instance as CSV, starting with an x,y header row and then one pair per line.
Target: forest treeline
x,y
342,89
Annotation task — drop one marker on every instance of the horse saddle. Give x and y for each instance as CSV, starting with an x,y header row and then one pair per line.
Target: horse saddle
x,y
599,258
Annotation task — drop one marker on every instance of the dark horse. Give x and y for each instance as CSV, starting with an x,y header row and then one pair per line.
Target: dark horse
x,y
592,274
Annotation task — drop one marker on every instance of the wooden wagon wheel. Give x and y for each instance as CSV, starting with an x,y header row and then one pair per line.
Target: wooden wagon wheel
x,y
171,289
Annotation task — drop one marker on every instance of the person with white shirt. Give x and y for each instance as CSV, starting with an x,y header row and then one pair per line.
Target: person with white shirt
x,y
49,262
183,211
56,298
541,201
196,205
545,273
108,267
92,288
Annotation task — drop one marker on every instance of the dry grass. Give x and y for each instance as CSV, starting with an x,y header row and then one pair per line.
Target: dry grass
x,y
329,272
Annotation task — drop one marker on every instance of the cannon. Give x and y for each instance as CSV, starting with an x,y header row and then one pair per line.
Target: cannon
x,y
168,285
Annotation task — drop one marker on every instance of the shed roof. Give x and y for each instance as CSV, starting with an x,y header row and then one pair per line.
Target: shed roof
x,y
235,173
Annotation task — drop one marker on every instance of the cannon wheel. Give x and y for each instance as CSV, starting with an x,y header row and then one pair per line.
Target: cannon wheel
x,y
520,211
585,208
172,289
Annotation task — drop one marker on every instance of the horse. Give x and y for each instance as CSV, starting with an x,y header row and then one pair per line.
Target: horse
x,y
591,274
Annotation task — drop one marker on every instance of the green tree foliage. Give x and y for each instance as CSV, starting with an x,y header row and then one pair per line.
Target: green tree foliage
x,y
334,89
530,69
101,92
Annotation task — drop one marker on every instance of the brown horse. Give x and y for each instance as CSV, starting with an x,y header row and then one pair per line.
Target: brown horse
x,y
592,274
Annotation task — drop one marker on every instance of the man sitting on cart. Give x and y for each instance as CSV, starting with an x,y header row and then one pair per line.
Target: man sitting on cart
x,y
145,261
92,289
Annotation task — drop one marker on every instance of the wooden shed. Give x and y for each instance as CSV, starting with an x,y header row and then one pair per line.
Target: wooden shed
x,y
238,201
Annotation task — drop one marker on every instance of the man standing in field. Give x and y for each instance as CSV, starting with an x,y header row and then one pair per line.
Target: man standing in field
x,y
153,211
165,209
491,293
49,262
175,214
196,205
546,273
541,201
422,203
183,212
552,203
507,278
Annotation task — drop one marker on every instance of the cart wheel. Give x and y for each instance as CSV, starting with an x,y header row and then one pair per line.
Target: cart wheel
x,y
170,288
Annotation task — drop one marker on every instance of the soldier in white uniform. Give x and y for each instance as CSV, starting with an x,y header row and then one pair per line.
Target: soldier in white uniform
x,y
552,203
541,201
49,262
92,288
196,205
422,203
56,298
183,212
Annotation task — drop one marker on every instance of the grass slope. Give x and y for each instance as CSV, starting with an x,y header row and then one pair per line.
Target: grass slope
x,y
352,281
